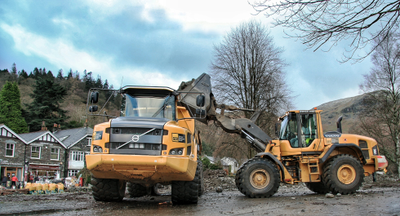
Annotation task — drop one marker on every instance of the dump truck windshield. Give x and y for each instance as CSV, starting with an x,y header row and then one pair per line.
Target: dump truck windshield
x,y
148,106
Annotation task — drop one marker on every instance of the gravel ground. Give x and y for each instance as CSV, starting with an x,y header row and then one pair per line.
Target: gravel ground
x,y
374,198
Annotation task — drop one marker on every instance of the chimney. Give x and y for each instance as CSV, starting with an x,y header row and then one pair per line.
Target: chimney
x,y
54,127
44,128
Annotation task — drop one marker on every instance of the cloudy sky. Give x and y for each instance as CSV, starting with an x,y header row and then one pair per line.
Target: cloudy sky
x,y
156,42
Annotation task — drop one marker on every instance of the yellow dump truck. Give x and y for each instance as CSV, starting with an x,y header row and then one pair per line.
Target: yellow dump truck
x,y
153,141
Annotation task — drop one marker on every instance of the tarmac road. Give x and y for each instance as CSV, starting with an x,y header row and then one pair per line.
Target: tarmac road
x,y
290,200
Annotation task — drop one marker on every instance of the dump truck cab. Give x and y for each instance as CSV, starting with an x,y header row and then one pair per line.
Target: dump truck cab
x,y
153,141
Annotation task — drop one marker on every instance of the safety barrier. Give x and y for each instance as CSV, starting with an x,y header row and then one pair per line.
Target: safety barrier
x,y
38,188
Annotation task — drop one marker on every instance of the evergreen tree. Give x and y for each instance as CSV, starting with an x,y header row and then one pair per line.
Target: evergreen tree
x,y
99,83
106,86
23,74
70,75
47,97
60,75
10,108
50,75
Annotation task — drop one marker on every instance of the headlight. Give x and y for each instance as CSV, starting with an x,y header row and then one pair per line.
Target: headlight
x,y
97,149
176,151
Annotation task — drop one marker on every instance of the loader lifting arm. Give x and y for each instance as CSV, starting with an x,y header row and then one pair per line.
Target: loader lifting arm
x,y
242,126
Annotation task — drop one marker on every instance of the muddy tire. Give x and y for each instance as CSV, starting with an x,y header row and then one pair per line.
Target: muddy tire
x,y
201,176
109,190
136,190
187,192
258,178
343,174
317,187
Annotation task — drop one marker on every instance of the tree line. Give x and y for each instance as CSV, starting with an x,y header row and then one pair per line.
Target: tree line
x,y
48,101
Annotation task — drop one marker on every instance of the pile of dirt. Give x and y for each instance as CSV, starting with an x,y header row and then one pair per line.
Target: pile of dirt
x,y
218,180
382,180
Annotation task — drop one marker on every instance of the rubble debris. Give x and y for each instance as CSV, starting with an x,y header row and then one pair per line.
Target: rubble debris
x,y
218,178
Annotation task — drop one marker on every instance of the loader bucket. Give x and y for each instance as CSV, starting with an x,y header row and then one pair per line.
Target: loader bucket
x,y
191,89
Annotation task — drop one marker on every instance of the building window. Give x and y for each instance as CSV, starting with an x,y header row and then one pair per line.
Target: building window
x,y
35,152
72,173
10,150
77,156
55,154
89,141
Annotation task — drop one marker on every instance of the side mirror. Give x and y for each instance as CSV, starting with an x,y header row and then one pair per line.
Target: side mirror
x,y
94,97
200,100
93,108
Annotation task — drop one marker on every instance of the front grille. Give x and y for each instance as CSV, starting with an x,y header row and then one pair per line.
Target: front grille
x,y
366,154
135,141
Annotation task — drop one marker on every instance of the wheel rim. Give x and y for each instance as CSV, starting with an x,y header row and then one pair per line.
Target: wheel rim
x,y
259,178
346,174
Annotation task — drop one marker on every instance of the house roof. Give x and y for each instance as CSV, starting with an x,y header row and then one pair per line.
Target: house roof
x,y
40,135
70,137
7,132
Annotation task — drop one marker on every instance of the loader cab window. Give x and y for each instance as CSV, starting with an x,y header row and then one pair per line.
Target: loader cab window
x,y
289,130
150,106
308,129
299,129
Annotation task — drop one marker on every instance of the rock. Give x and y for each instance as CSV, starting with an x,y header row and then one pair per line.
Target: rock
x,y
218,189
329,195
339,194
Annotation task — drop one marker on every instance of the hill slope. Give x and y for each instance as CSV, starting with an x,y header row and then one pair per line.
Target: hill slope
x,y
350,108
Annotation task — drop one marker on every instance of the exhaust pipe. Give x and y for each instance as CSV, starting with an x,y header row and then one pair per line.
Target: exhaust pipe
x,y
339,124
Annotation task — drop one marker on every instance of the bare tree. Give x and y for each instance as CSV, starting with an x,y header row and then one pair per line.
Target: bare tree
x,y
317,22
381,119
247,72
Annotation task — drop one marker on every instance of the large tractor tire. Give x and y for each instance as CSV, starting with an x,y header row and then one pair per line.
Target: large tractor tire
x,y
136,190
187,192
258,178
109,190
343,174
317,187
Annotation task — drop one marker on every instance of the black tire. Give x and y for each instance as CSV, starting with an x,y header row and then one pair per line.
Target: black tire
x,y
343,174
317,187
258,178
186,192
201,176
109,190
136,190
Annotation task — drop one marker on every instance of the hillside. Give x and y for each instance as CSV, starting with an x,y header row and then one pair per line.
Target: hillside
x,y
349,108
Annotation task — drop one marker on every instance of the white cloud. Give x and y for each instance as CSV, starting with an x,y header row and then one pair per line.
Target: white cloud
x,y
206,15
62,54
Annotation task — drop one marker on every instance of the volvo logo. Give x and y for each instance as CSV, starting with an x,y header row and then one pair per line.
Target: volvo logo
x,y
135,138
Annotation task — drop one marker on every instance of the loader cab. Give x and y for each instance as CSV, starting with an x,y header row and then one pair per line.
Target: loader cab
x,y
299,132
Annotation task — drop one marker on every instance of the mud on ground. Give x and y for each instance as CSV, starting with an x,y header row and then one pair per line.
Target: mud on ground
x,y
374,198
